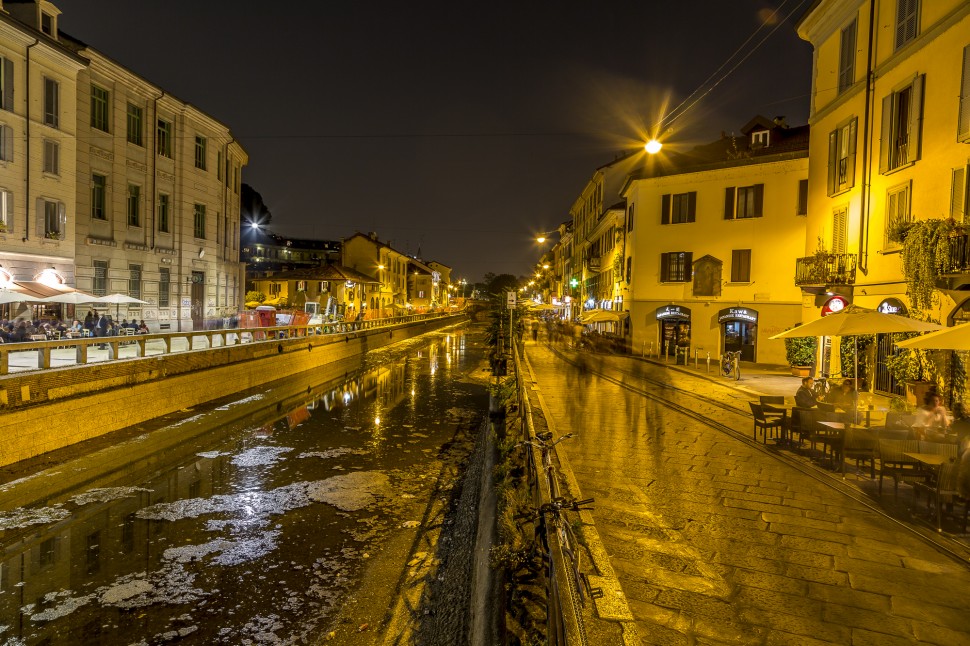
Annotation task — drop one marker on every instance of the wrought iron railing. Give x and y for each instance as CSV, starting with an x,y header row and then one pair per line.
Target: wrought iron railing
x,y
826,269
960,253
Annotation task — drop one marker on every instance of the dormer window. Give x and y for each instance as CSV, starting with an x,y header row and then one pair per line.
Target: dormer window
x,y
759,139
47,24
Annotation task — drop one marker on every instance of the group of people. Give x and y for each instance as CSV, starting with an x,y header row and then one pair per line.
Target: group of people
x,y
96,324
103,325
931,415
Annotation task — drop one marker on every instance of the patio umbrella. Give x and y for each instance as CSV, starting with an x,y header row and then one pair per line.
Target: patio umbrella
x,y
119,300
71,298
7,296
952,338
855,320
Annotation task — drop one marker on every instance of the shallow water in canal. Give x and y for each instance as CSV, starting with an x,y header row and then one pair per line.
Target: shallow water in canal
x,y
248,521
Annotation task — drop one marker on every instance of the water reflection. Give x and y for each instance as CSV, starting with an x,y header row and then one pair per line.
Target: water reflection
x,y
251,530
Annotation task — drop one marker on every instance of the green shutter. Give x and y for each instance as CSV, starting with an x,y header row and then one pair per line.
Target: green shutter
x,y
729,203
692,206
963,127
665,209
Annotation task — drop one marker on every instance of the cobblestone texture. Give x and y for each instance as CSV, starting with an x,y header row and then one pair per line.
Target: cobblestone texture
x,y
716,542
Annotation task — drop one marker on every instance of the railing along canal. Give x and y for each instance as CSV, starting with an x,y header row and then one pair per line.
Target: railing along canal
x,y
78,351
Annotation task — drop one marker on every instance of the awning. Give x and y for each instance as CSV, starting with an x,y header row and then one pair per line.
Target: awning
x,y
40,290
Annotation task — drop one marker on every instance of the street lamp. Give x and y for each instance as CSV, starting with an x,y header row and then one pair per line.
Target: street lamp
x,y
653,147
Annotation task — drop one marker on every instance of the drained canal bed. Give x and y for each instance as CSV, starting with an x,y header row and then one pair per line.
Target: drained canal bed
x,y
250,522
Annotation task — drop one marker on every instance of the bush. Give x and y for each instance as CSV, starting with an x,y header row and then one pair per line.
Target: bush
x,y
800,351
255,297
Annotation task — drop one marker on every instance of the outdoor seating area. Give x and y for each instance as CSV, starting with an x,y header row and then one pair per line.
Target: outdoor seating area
x,y
931,464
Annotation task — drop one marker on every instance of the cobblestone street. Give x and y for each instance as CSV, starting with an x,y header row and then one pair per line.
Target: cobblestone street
x,y
716,541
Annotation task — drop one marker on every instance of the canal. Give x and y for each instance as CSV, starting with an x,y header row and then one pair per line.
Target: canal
x,y
256,520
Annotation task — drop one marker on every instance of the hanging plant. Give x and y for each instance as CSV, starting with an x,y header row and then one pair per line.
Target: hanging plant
x,y
925,256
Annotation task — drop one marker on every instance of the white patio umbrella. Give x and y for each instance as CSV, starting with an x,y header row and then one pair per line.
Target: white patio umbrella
x,y
952,338
119,300
9,296
854,321
71,298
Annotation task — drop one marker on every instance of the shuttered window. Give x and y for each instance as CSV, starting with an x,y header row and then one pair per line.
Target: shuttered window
x,y
907,21
842,147
898,200
6,84
958,195
963,127
802,206
6,211
629,218
164,286
6,143
840,230
744,202
675,267
741,266
847,57
678,208
51,102
902,120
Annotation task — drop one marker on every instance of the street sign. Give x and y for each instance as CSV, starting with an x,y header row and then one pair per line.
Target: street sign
x,y
510,296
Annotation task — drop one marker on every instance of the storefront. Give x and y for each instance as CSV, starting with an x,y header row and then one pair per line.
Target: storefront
x,y
739,331
674,323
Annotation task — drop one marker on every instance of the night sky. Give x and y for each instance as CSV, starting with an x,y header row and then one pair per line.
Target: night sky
x,y
454,128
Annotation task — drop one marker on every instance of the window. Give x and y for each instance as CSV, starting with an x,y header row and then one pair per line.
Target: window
x,y
6,84
741,266
47,24
100,285
678,208
52,219
93,553
200,152
629,268
907,21
760,139
675,267
840,229
164,286
52,155
629,218
134,281
199,221
47,553
847,57
841,171
128,533
6,211
163,219
744,202
134,124
897,208
219,168
51,92
802,207
99,184
99,108
902,115
164,138
963,127
959,194
6,143
134,197
274,289
235,179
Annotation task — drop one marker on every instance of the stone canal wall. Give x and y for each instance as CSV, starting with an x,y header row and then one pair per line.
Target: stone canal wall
x,y
51,409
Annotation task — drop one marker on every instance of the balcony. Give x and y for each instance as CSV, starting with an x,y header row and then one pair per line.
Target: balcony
x,y
826,269
959,253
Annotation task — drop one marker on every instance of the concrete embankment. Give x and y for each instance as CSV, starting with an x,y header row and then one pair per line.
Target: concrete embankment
x,y
51,409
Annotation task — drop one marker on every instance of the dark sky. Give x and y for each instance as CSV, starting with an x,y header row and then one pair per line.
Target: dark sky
x,y
458,128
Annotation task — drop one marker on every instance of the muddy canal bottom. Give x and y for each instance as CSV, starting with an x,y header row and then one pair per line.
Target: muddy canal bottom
x,y
255,521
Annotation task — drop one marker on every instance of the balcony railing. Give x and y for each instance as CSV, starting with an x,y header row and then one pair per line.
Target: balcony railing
x,y
960,253
826,269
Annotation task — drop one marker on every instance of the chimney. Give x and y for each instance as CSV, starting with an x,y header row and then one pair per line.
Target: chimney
x,y
780,121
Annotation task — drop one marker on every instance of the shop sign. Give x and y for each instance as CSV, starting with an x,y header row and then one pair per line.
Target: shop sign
x,y
675,312
737,314
833,305
892,306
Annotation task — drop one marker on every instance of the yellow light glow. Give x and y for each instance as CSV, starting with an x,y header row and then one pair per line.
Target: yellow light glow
x,y
541,239
545,266
380,266
653,147
377,421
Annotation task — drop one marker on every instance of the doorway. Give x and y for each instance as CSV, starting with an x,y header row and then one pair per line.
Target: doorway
x,y
740,336
198,300
674,334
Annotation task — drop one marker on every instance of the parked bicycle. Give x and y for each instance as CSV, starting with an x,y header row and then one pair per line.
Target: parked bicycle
x,y
731,364
823,385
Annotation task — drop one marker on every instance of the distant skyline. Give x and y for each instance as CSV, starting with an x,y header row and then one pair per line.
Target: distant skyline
x,y
460,130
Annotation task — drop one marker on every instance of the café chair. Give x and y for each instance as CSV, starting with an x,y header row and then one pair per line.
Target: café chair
x,y
944,490
860,444
899,467
767,424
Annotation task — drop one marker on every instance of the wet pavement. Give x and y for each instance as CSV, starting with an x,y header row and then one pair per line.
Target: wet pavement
x,y
717,540
251,521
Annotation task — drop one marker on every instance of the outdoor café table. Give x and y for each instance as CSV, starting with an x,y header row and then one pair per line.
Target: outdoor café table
x,y
929,459
781,411
831,434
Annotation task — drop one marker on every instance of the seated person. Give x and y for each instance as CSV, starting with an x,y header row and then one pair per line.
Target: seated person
x,y
142,328
844,396
805,396
76,328
932,415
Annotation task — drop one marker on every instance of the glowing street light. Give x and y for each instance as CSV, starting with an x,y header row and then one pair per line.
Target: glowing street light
x,y
653,147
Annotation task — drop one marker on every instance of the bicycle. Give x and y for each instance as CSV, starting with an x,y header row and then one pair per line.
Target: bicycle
x,y
731,364
822,386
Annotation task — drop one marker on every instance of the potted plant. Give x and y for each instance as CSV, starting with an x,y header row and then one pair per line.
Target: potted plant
x,y
913,369
800,353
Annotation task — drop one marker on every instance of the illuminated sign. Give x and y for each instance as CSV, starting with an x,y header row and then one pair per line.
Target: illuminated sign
x,y
833,305
675,312
892,306
737,314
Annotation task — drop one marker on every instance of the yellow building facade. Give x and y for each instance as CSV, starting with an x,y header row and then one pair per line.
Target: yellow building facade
x,y
709,238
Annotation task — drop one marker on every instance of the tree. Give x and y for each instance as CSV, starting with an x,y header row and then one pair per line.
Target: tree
x,y
498,284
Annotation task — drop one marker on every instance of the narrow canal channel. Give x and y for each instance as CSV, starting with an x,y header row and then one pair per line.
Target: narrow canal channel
x,y
256,520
